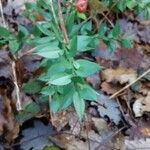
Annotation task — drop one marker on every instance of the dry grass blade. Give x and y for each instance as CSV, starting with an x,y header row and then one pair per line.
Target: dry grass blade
x,y
127,86
2,15
18,103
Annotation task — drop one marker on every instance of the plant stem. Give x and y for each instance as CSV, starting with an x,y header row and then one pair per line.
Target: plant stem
x,y
53,12
62,25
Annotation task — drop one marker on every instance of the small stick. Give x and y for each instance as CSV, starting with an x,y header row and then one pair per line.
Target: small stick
x,y
124,88
2,15
62,25
108,19
105,16
18,103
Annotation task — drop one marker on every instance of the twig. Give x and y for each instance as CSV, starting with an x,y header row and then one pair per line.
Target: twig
x,y
108,19
105,17
124,88
18,103
62,25
104,141
2,15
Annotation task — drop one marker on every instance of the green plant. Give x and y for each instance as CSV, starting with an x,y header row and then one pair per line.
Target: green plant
x,y
140,7
60,35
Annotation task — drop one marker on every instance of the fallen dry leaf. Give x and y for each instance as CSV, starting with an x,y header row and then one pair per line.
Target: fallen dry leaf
x,y
137,144
9,128
100,124
106,106
141,105
122,75
109,88
60,119
94,80
146,104
137,107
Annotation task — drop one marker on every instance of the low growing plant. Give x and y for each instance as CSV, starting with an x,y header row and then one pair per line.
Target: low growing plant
x,y
60,32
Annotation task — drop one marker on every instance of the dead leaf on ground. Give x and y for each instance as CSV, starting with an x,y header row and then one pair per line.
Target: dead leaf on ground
x,y
122,75
9,127
36,137
128,58
60,119
94,80
137,107
110,88
106,106
16,5
100,124
142,105
140,144
146,103
5,64
88,139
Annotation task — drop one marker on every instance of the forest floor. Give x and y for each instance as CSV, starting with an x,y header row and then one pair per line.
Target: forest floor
x,y
118,120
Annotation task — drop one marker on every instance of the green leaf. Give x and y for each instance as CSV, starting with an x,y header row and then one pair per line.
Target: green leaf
x,y
32,108
102,29
81,15
131,4
48,90
55,53
116,31
49,50
87,93
51,148
30,6
82,43
13,46
73,46
41,40
86,68
32,86
43,100
68,98
36,31
86,28
111,45
4,33
60,79
121,5
22,32
79,105
56,31
55,104
70,21
44,28
125,42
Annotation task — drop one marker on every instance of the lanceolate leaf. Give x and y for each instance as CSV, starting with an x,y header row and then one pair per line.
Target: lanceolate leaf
x,y
60,79
49,50
4,32
82,43
70,21
125,42
13,46
73,46
32,86
55,104
79,105
87,93
86,68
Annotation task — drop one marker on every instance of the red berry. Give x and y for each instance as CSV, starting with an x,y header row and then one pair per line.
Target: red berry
x,y
81,5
